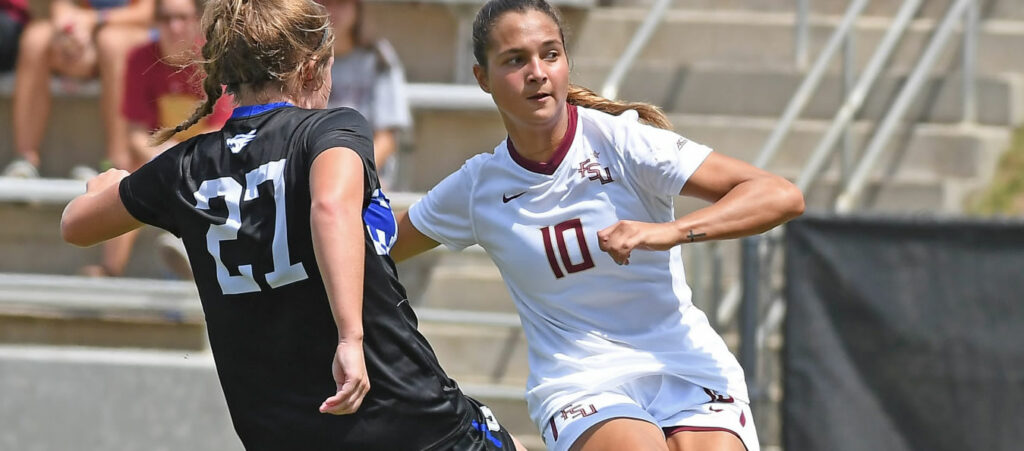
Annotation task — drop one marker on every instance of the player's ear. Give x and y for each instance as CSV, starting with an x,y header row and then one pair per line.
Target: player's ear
x,y
309,72
311,77
480,73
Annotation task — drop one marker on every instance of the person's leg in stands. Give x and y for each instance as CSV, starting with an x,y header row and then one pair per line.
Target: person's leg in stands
x,y
113,44
40,53
31,104
115,255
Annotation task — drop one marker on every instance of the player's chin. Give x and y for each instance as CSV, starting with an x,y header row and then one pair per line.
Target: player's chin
x,y
541,114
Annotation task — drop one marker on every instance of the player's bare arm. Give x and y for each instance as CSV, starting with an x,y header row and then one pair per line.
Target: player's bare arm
x,y
411,242
745,201
336,189
97,215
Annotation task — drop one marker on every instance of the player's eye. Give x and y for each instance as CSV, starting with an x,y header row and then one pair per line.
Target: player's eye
x,y
514,61
551,55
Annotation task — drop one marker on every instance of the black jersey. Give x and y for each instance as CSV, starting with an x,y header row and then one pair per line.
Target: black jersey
x,y
239,199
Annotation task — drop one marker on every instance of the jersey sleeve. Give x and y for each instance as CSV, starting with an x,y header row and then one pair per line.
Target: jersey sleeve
x,y
660,160
147,192
443,214
344,127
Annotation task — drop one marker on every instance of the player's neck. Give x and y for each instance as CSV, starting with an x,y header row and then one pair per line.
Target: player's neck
x,y
245,98
537,142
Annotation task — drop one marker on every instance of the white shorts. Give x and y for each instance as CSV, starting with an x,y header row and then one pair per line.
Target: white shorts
x,y
670,402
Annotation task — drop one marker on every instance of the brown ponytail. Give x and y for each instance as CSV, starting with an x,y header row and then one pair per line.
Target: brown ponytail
x,y
649,114
256,43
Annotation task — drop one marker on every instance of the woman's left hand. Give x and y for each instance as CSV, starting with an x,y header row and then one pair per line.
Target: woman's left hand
x,y
620,239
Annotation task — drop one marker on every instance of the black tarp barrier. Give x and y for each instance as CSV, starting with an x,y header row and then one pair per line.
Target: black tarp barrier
x,y
904,334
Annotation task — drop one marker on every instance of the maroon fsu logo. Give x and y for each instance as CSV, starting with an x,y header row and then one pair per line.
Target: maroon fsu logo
x,y
571,412
592,170
718,397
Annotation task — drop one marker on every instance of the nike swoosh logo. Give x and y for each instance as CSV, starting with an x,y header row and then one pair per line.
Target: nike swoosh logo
x,y
506,199
714,409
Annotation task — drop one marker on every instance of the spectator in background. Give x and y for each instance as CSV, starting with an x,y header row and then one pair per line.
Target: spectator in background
x,y
161,88
13,17
80,40
369,78
161,91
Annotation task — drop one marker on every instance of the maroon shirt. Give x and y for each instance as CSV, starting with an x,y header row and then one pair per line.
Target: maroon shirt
x,y
17,9
160,95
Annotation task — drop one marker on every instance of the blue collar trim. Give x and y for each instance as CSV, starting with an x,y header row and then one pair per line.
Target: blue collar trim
x,y
252,110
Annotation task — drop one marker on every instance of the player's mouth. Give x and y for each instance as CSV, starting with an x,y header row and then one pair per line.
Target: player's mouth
x,y
539,96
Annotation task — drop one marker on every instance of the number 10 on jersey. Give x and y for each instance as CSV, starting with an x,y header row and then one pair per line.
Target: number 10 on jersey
x,y
559,231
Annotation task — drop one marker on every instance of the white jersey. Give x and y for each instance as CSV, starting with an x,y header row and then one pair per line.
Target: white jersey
x,y
588,321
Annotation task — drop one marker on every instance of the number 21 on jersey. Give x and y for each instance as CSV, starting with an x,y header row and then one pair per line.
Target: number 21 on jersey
x,y
563,251
233,194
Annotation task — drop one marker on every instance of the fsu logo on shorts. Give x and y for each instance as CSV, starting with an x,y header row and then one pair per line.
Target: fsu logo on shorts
x,y
572,411
718,397
592,170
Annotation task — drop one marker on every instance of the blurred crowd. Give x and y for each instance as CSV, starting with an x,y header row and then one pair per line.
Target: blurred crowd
x,y
143,54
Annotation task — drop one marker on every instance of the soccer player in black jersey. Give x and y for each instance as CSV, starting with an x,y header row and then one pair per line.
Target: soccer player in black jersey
x,y
288,235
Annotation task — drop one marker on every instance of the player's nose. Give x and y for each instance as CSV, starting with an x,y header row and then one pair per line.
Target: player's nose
x,y
535,71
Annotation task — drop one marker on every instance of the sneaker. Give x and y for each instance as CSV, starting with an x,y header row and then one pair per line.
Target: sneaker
x,y
83,173
21,168
93,271
172,251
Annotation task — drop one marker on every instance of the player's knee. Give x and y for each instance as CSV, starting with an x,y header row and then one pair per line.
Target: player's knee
x,y
109,41
35,41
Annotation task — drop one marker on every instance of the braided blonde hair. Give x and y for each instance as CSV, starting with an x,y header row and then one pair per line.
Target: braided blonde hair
x,y
255,43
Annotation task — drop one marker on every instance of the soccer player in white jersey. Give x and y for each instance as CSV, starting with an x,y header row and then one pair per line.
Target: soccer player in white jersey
x,y
575,208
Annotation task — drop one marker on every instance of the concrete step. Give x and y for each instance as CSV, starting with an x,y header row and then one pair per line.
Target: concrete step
x,y
472,345
426,34
30,241
466,281
480,354
74,134
989,9
118,400
941,150
905,196
132,313
731,90
767,39
443,141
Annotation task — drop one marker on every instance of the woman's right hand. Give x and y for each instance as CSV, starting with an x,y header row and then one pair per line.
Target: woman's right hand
x,y
349,370
105,179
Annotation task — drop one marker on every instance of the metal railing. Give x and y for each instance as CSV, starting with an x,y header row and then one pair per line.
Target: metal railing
x,y
848,198
759,252
610,88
